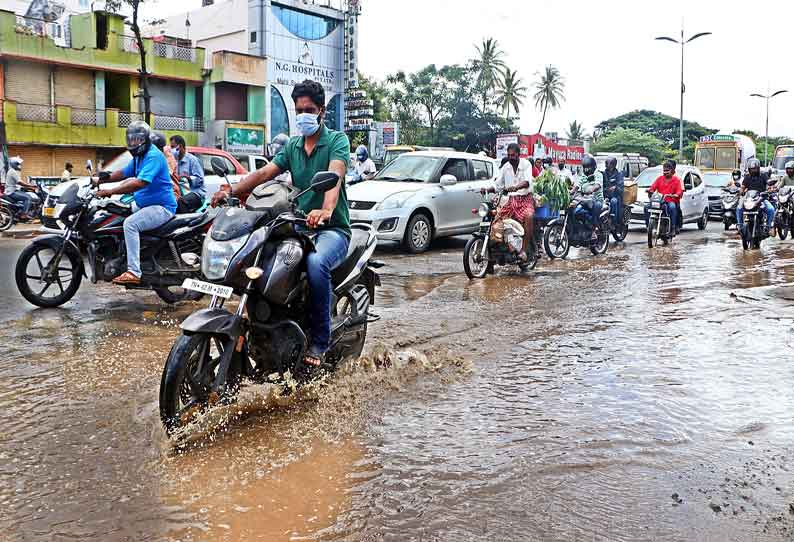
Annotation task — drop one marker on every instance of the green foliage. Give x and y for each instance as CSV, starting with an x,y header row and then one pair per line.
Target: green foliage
x,y
632,140
659,125
576,132
553,190
489,67
549,92
510,92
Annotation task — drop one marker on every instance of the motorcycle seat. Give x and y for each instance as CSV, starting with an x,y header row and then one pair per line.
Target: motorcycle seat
x,y
359,241
178,221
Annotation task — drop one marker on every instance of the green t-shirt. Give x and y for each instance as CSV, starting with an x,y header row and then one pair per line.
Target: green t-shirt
x,y
332,145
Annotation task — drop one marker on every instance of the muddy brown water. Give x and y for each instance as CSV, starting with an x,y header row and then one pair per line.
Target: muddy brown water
x,y
645,395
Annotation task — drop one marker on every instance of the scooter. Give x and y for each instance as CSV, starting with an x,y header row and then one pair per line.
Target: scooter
x,y
730,200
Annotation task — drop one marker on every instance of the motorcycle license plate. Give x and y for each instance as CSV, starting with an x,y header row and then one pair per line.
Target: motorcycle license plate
x,y
49,212
656,205
208,288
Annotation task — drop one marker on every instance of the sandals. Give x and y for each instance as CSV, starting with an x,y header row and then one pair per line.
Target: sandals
x,y
312,365
127,279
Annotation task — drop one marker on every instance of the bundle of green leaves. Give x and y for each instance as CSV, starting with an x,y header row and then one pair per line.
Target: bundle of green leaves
x,y
552,191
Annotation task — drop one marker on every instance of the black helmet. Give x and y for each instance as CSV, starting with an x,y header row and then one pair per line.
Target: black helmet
x,y
158,140
753,163
589,164
138,137
612,162
737,174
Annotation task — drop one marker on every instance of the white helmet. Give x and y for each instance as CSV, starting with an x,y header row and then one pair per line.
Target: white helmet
x,y
790,165
15,162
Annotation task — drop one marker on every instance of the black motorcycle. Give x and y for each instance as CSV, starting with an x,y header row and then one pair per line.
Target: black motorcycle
x,y
49,270
730,201
573,227
659,225
784,216
754,228
485,250
259,253
11,211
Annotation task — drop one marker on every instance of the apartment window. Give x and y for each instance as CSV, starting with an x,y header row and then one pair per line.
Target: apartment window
x,y
305,25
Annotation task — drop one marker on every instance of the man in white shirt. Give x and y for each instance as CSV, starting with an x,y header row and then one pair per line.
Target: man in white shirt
x,y
564,173
515,177
365,167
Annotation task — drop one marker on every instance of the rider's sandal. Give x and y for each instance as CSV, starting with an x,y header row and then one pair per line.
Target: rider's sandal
x,y
312,365
127,278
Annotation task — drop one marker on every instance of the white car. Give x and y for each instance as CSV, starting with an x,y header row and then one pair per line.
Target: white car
x,y
421,196
694,203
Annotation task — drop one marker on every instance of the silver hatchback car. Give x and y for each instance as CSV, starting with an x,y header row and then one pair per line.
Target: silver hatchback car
x,y
421,196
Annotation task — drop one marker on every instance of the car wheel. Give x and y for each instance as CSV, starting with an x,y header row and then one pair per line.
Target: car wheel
x,y
704,220
418,233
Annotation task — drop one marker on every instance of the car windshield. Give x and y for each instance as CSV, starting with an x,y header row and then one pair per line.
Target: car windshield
x,y
718,180
647,177
704,158
726,158
392,154
782,156
410,167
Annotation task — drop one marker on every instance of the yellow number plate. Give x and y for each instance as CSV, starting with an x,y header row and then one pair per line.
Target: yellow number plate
x,y
49,212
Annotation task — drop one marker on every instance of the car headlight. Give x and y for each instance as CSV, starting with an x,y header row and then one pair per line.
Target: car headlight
x,y
217,255
483,210
395,201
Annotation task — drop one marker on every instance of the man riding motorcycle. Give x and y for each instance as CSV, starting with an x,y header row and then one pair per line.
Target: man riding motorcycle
x,y
15,186
590,174
613,189
148,179
755,180
670,186
788,178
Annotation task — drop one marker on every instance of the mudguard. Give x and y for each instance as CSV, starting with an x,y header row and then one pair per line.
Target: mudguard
x,y
55,241
213,322
555,221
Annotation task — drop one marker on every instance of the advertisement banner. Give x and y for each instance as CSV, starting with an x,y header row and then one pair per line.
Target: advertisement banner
x,y
538,146
245,139
502,141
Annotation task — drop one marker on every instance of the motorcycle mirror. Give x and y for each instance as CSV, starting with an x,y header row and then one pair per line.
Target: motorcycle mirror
x,y
89,166
219,167
324,181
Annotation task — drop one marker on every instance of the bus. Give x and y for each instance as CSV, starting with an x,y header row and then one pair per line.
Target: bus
x,y
723,153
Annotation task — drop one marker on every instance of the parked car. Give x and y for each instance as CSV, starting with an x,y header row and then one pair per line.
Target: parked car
x,y
694,203
423,195
393,151
211,181
252,162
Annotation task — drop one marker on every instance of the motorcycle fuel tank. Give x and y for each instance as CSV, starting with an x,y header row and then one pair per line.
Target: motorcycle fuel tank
x,y
281,271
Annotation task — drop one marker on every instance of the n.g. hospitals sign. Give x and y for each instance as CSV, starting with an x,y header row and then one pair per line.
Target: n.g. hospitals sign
x,y
290,73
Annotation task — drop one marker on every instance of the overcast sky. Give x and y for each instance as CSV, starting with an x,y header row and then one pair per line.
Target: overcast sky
x,y
604,49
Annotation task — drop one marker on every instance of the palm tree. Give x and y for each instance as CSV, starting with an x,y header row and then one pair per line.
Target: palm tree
x,y
511,92
576,132
489,66
550,92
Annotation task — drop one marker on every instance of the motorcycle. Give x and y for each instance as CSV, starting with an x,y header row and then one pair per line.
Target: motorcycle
x,y
784,217
259,254
754,228
730,200
659,224
95,228
487,249
573,227
11,211
620,228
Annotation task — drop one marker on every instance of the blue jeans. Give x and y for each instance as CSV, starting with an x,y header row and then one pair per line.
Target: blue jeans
x,y
330,251
770,214
672,212
21,197
616,208
144,219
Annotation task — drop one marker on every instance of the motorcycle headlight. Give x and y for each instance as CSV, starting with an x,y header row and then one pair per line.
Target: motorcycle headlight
x,y
395,201
217,255
483,210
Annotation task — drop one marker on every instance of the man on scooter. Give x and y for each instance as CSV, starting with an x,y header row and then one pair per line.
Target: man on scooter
x,y
613,189
755,180
515,177
670,186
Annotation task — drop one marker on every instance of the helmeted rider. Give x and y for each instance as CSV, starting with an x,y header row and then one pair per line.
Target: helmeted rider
x,y
365,167
736,178
788,178
669,185
613,189
16,186
591,175
148,179
755,180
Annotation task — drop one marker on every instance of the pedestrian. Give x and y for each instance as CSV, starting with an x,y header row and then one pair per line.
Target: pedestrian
x,y
67,172
189,167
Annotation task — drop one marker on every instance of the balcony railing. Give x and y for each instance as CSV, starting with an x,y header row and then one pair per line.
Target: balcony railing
x,y
88,117
129,44
39,27
35,112
164,122
166,50
127,117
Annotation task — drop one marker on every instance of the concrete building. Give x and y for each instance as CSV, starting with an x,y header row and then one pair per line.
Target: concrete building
x,y
294,39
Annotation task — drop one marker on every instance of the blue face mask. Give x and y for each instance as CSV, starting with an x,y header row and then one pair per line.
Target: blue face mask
x,y
308,124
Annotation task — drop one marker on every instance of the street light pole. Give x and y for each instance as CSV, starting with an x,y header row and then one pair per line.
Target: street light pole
x,y
767,97
682,42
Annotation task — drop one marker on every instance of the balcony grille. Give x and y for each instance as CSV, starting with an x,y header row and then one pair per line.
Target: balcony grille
x,y
127,117
165,50
185,124
35,112
129,44
86,117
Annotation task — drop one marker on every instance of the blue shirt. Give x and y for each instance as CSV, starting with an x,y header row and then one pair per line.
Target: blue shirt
x,y
152,168
190,167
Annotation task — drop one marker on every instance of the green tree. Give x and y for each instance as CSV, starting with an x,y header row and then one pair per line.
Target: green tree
x,y
631,140
575,132
511,92
657,124
550,92
424,89
489,67
378,92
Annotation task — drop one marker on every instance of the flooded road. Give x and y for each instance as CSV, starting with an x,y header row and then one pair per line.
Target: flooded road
x,y
641,395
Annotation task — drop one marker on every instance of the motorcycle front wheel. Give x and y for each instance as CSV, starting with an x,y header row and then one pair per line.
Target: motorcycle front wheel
x,y
474,264
601,244
555,241
42,282
782,229
6,219
652,227
188,375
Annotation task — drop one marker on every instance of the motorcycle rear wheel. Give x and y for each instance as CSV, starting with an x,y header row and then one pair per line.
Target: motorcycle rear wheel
x,y
6,219
475,269
185,387
782,230
601,245
555,242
